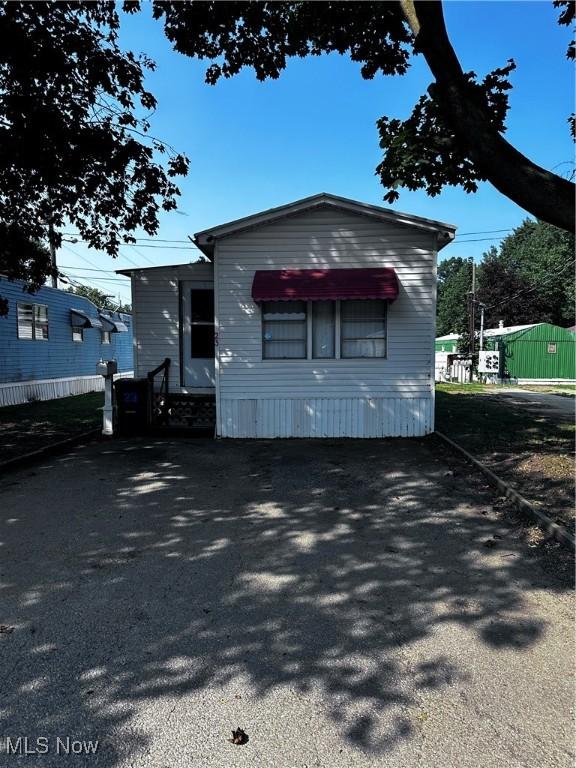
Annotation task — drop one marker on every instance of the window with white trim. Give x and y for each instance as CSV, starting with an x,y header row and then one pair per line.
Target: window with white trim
x,y
324,330
32,321
106,338
284,330
77,333
363,328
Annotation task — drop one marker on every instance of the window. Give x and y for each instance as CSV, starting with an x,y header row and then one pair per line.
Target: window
x,y
77,334
363,328
552,349
323,330
106,339
32,321
202,323
284,330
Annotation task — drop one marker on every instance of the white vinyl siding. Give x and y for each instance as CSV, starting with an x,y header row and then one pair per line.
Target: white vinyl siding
x,y
156,300
327,239
299,397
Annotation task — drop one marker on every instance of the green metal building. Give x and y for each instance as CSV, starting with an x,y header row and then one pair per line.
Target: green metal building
x,y
542,351
536,352
447,343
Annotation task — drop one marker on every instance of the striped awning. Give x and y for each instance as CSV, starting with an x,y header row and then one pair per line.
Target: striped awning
x,y
325,284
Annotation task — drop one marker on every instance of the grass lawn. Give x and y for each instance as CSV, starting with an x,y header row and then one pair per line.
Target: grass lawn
x,y
30,426
531,452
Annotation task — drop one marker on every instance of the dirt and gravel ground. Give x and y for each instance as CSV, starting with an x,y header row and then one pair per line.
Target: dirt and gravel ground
x,y
30,426
527,438
346,603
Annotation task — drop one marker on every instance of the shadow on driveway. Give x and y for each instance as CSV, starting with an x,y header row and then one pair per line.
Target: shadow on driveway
x,y
322,595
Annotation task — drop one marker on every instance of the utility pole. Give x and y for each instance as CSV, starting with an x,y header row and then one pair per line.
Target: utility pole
x,y
482,308
52,255
472,318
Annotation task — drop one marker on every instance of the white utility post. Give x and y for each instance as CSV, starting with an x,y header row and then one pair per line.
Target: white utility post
x,y
481,327
108,368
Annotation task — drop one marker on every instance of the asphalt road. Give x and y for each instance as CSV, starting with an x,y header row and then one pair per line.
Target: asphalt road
x,y
336,600
559,409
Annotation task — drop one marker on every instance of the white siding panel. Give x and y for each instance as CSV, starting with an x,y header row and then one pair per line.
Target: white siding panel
x,y
156,302
318,417
312,398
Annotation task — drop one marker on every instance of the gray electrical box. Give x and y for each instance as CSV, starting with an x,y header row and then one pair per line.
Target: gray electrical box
x,y
107,367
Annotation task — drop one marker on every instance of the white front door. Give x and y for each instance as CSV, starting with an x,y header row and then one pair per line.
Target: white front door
x,y
198,333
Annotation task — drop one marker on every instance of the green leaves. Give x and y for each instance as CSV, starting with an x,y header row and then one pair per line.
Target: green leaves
x,y
426,152
264,35
75,146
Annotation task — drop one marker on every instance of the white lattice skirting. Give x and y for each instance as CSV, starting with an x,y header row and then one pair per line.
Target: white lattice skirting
x,y
17,392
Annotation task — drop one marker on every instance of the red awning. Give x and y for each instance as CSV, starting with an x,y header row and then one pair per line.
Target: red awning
x,y
325,284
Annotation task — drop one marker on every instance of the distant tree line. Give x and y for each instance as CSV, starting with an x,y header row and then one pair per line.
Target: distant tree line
x,y
529,278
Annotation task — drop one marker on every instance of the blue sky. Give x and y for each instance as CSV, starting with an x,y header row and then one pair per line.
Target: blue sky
x,y
256,145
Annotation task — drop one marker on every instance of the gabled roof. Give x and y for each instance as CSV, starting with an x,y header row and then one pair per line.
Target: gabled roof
x,y
205,239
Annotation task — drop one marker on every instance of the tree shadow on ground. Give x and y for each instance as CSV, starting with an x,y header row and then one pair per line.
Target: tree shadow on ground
x,y
526,446
138,571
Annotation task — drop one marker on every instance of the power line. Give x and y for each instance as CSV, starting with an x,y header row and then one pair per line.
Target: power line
x,y
477,240
187,241
186,247
485,232
143,256
83,282
101,283
140,239
83,258
102,279
87,269
166,247
128,259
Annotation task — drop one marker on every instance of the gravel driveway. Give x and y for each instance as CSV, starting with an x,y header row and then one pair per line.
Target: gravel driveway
x,y
556,408
334,599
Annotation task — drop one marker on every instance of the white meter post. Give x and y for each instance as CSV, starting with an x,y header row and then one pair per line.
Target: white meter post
x,y
108,368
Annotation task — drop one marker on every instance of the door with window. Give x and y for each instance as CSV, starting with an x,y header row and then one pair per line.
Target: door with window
x,y
198,334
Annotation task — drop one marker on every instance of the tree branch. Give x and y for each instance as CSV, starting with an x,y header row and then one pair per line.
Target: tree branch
x,y
544,194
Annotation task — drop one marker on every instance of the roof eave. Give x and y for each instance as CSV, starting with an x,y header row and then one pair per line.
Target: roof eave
x,y
205,239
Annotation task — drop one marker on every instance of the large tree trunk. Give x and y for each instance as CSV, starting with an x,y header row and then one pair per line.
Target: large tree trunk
x,y
545,195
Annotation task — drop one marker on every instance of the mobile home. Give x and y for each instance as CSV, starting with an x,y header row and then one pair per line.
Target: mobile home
x,y
51,340
314,319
